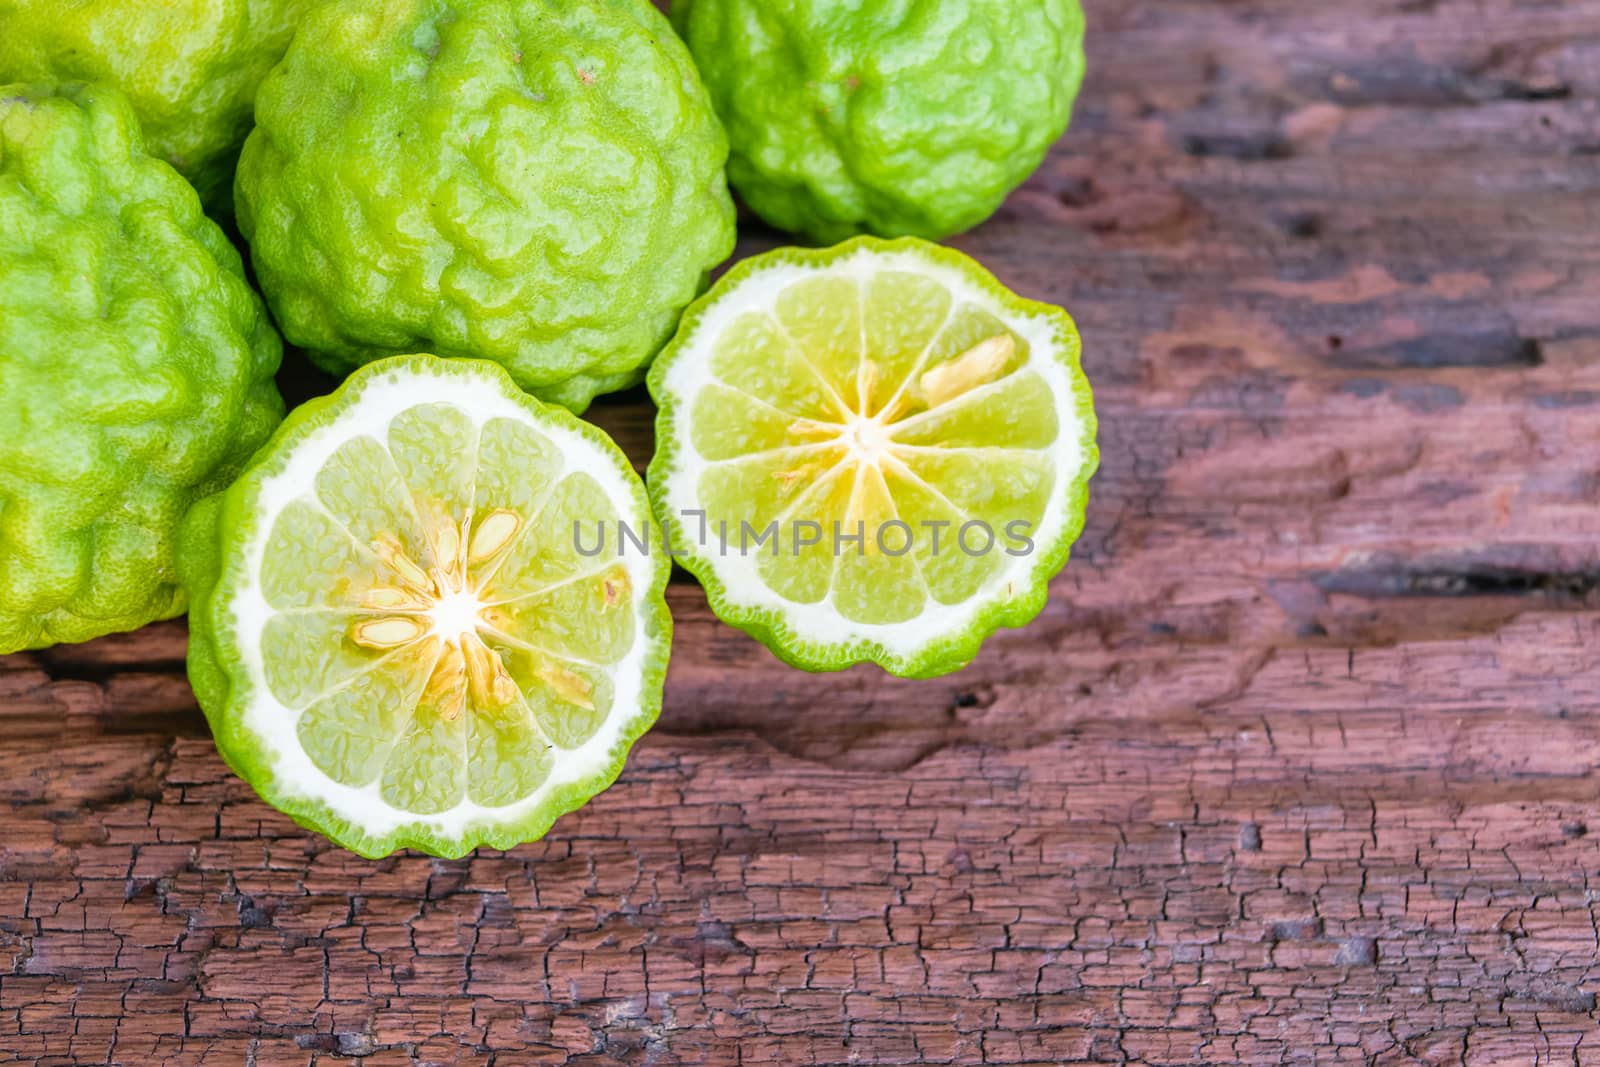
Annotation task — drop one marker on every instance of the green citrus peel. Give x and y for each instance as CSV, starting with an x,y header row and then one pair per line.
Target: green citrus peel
x,y
890,117
189,67
135,363
534,182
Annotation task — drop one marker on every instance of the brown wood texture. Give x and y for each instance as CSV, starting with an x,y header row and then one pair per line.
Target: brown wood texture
x,y
1298,767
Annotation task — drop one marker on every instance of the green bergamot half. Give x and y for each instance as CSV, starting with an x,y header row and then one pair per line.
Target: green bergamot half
x,y
874,452
398,634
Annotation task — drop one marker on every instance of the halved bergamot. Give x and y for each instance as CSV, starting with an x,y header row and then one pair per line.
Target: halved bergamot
x,y
874,452
397,633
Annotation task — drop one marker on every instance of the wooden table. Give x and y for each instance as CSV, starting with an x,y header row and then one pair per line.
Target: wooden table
x,y
1297,767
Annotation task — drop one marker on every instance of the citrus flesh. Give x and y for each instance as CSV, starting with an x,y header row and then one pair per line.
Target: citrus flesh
x,y
400,637
873,452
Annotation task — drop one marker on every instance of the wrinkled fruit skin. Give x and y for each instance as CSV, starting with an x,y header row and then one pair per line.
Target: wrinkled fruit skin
x,y
189,67
135,368
535,182
892,117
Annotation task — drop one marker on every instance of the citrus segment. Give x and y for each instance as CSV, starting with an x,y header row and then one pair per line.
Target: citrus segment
x,y
507,758
822,317
755,357
873,452
350,731
905,315
306,655
418,647
308,540
517,467
552,549
589,615
363,492
426,772
1015,412
435,449
950,575
876,581
729,424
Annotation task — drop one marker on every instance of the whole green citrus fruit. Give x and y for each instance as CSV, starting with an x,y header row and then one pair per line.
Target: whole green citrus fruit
x,y
535,182
893,117
190,67
135,364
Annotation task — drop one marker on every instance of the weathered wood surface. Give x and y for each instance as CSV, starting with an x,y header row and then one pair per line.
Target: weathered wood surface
x,y
1298,766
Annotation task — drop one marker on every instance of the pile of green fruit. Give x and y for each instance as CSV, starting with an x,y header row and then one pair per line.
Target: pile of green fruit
x,y
428,610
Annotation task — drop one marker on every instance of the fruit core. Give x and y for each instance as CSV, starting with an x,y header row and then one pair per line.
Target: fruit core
x,y
868,436
437,614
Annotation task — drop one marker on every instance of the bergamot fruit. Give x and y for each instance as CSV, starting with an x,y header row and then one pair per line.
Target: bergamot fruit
x,y
893,117
189,67
872,453
535,182
135,366
415,623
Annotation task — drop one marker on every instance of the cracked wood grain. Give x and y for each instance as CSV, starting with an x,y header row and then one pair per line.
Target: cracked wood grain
x,y
1297,766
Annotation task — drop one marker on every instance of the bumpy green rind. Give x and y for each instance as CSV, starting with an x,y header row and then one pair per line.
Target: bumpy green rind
x,y
536,182
954,650
214,571
136,368
189,67
892,117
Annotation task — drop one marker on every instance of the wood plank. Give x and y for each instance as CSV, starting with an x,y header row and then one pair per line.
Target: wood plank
x,y
1298,765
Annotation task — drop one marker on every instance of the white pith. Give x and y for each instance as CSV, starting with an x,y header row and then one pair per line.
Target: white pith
x,y
866,439
381,399
820,623
456,614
